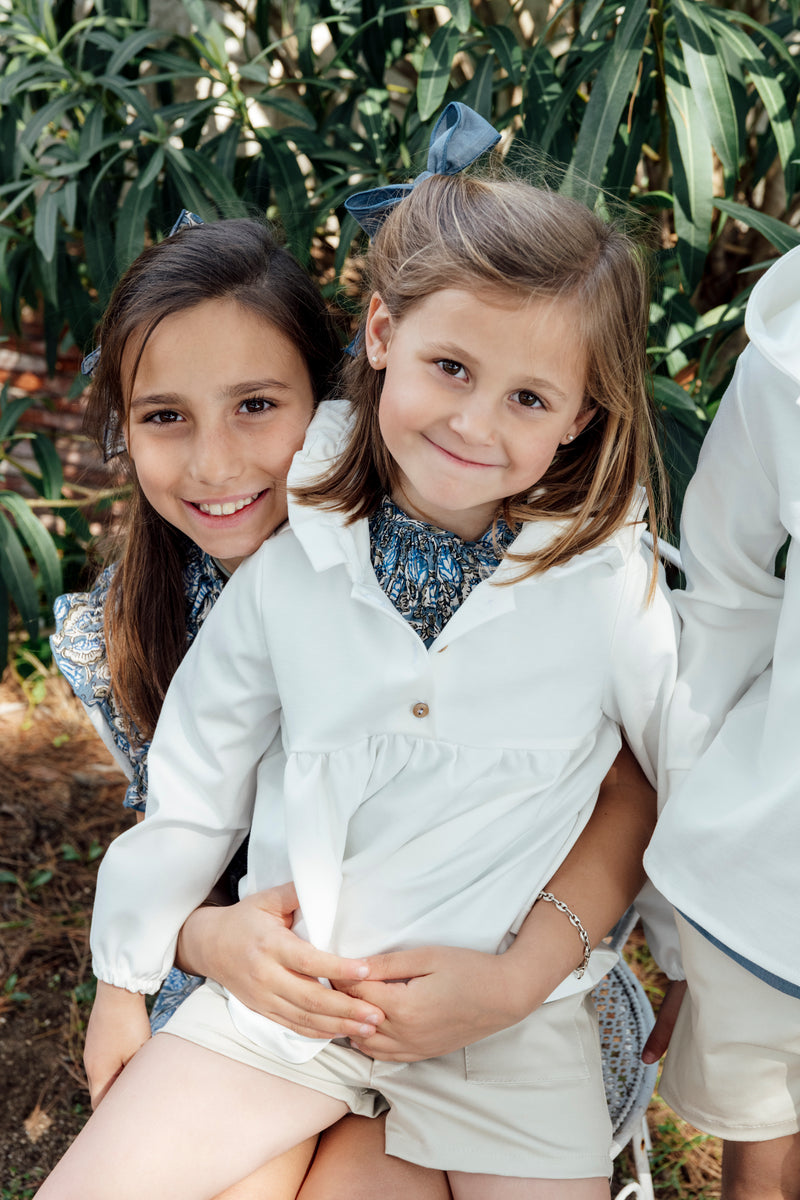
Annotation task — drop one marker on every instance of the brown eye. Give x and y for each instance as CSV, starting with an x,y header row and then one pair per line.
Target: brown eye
x,y
528,399
451,367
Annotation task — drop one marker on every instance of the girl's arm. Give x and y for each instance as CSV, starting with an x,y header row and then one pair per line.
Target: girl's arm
x,y
452,997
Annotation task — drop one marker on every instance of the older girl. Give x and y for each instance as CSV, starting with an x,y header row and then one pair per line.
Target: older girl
x,y
461,628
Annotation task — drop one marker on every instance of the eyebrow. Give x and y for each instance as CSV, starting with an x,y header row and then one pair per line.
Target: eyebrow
x,y
234,390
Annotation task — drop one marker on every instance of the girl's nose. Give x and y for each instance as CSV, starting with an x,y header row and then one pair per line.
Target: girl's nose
x,y
473,420
215,458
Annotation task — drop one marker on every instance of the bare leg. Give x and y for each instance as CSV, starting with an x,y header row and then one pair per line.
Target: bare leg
x,y
762,1170
185,1121
351,1164
504,1187
277,1180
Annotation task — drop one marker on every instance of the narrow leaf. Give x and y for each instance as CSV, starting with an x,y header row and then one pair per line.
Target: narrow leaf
x,y
17,576
609,98
783,237
434,76
45,224
692,171
709,81
131,225
11,412
39,541
49,464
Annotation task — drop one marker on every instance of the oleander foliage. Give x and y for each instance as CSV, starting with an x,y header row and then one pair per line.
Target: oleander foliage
x,y
686,110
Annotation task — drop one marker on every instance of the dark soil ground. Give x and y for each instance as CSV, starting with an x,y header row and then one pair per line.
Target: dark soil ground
x,y
60,805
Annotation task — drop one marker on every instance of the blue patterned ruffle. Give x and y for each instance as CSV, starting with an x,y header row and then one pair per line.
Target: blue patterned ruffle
x,y
79,650
426,572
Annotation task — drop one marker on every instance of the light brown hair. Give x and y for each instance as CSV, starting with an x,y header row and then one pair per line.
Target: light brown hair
x,y
506,236
146,609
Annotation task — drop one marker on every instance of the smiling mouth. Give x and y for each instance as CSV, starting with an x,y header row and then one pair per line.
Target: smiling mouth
x,y
230,507
466,462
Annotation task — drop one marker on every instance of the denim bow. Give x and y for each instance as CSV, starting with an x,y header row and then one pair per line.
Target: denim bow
x,y
459,137
113,439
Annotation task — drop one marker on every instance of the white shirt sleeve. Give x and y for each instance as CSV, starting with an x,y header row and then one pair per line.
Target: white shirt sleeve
x,y
644,664
731,532
220,716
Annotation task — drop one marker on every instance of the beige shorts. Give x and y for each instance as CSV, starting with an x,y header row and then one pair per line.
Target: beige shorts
x,y
733,1064
527,1102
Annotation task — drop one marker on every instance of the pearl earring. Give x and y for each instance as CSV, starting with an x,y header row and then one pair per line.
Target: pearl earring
x,y
374,358
570,437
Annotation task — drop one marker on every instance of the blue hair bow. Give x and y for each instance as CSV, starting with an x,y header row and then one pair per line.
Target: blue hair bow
x,y
459,137
113,439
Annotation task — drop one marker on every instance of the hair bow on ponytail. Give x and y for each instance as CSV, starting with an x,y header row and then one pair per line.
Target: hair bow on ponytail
x,y
459,137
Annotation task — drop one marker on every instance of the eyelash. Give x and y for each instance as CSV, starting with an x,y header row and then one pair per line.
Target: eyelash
x,y
445,363
157,418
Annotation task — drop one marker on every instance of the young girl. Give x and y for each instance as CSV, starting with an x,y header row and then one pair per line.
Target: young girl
x,y
722,851
446,724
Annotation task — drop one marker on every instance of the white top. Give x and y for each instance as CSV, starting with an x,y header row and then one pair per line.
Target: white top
x,y
426,794
727,847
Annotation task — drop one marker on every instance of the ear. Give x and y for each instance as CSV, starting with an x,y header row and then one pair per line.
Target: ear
x,y
377,332
579,424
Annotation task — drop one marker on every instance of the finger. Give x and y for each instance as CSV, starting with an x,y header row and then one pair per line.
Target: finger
x,y
318,1011
659,1039
279,900
381,995
400,964
305,959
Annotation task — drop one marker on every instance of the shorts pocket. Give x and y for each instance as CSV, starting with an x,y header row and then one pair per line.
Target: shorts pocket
x,y
553,1044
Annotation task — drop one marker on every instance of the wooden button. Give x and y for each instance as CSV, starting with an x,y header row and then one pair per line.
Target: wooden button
x,y
420,710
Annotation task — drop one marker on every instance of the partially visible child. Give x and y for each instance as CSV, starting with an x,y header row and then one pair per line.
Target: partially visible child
x,y
726,848
464,621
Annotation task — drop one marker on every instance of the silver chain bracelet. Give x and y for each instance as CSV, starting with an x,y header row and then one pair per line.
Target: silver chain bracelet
x,y
575,922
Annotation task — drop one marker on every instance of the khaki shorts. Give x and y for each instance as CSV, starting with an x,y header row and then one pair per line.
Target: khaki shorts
x,y
733,1064
527,1102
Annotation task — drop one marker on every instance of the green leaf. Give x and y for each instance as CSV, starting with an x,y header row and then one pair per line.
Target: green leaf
x,y
5,617
373,108
153,169
45,225
782,236
766,84
51,113
508,51
39,541
434,76
132,225
289,188
11,411
692,171
462,14
671,395
709,81
192,196
478,92
610,95
17,576
49,464
217,185
129,48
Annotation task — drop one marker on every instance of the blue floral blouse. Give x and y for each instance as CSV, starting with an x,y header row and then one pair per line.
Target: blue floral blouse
x,y
426,572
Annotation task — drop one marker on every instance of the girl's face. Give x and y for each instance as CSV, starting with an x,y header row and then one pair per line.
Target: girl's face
x,y
219,406
479,394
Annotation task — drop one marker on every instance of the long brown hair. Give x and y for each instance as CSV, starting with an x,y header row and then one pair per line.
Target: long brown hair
x,y
146,609
501,236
